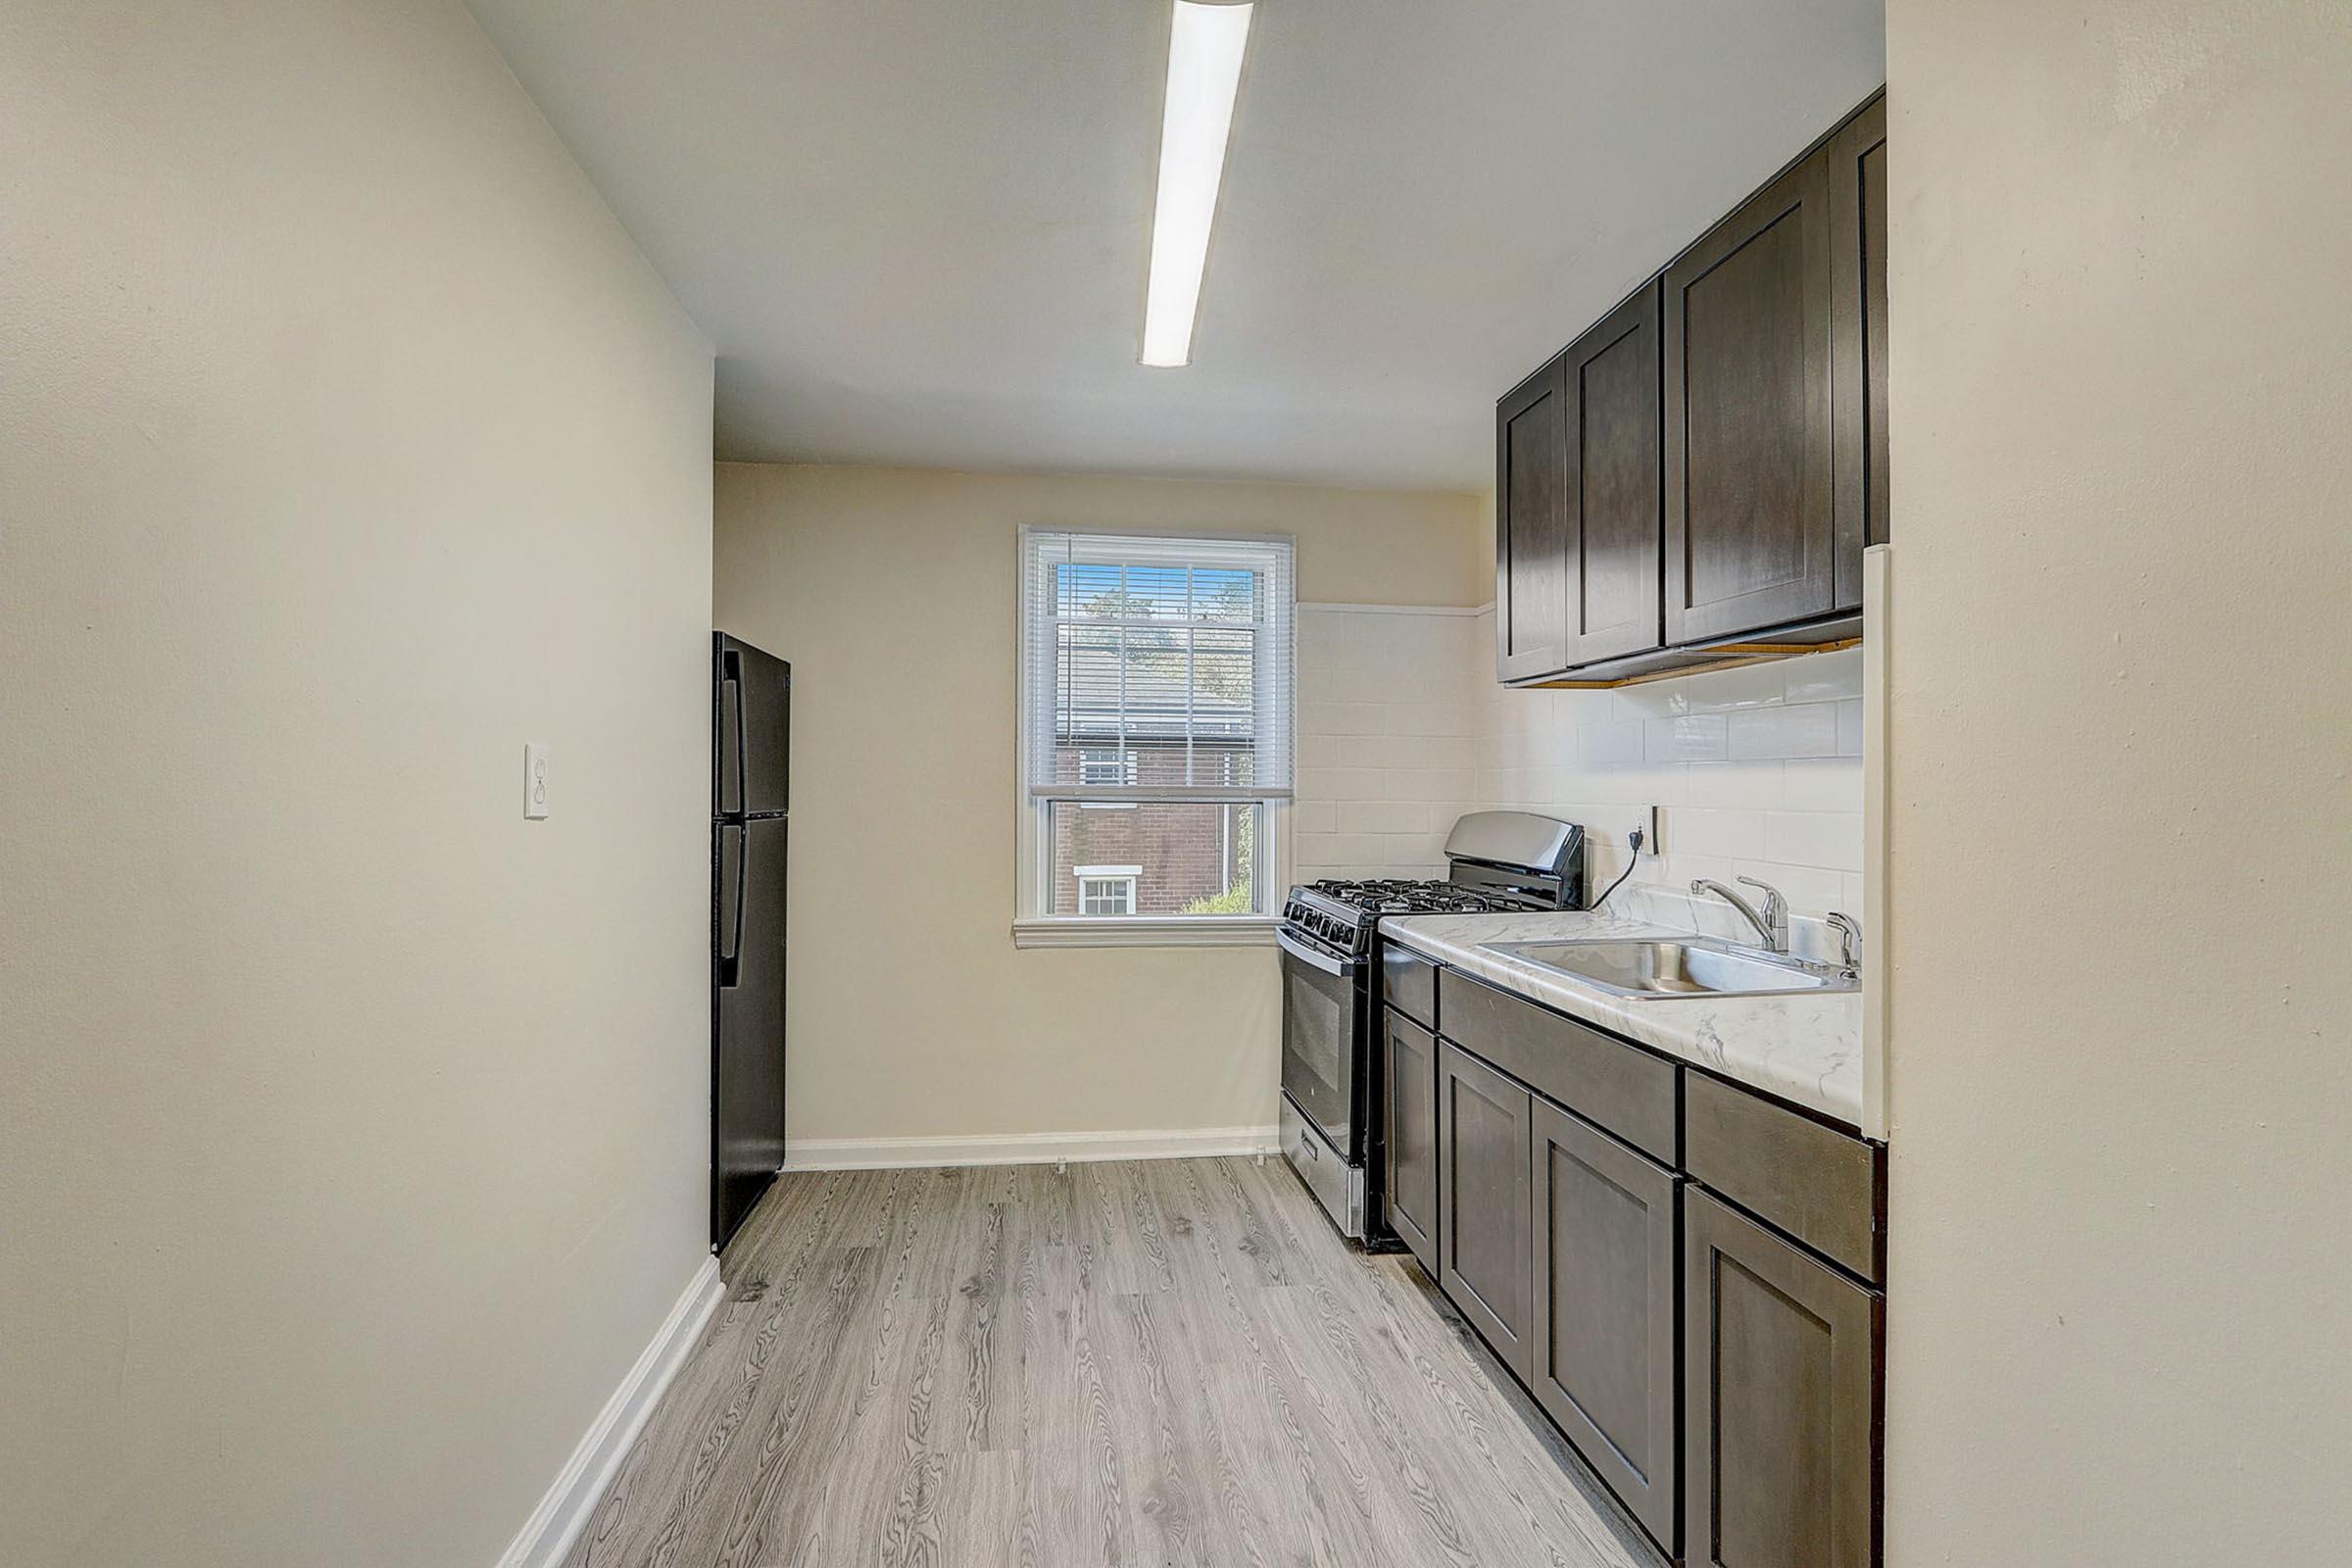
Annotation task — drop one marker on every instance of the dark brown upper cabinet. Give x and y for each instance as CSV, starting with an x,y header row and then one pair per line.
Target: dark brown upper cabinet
x,y
1749,538
1614,508
1858,306
1531,490
1715,503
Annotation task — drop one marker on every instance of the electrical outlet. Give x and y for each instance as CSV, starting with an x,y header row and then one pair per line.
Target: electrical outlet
x,y
1647,819
534,781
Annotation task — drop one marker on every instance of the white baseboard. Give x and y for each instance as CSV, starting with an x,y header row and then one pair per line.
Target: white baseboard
x,y
565,1508
1026,1149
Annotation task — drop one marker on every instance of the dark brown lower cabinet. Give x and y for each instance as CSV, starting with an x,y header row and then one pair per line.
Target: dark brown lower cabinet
x,y
1780,1406
1412,1128
1605,1309
1483,1255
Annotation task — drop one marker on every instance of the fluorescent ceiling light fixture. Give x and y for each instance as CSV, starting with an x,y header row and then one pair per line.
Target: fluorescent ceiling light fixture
x,y
1205,70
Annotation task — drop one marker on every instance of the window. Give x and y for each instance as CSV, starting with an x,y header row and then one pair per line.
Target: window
x,y
1156,719
1106,889
1106,766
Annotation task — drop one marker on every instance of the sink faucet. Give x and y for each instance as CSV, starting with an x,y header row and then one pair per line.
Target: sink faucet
x,y
1849,940
1772,925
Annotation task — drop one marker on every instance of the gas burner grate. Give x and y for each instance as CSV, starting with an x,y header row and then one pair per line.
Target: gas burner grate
x,y
1392,896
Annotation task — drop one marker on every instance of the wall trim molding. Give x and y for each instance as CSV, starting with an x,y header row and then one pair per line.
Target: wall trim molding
x,y
1327,607
1026,1148
1134,931
565,1511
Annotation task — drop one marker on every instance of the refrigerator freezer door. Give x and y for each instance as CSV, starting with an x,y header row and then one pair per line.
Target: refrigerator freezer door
x,y
747,1088
753,722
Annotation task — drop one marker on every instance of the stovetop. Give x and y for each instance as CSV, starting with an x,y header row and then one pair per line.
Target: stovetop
x,y
1388,896
1341,916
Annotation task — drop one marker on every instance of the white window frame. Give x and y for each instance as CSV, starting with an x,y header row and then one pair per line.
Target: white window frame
x,y
1034,925
1127,876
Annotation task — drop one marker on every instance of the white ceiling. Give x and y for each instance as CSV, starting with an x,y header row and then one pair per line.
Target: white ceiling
x,y
916,229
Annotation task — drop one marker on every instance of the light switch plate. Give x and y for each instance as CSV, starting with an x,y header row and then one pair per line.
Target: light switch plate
x,y
534,781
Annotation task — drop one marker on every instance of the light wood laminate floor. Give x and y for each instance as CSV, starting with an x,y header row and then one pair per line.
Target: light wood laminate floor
x,y
1149,1363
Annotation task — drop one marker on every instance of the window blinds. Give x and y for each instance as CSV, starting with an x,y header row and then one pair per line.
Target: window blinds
x,y
1168,657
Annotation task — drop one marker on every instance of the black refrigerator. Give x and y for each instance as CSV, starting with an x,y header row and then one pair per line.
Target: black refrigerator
x,y
749,821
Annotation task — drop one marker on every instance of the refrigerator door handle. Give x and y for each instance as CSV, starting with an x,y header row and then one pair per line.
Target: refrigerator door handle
x,y
733,676
730,940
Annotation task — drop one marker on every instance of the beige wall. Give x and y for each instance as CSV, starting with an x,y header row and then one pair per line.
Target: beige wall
x,y
352,1130
894,594
2123,460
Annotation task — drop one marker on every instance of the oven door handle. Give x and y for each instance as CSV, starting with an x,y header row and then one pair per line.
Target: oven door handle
x,y
1314,958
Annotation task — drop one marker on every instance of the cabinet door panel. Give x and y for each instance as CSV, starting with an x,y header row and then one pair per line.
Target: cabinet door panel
x,y
1748,447
1607,1326
1781,1403
1483,1202
1858,259
1531,543
1412,1137
1615,506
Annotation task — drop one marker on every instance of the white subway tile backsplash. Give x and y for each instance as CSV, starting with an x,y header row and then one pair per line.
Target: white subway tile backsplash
x,y
1404,728
1352,784
1722,691
1610,744
1849,728
1391,739
1313,849
1735,834
1809,729
1689,738
1753,785
1830,839
1432,786
1382,816
1450,718
1821,784
1825,677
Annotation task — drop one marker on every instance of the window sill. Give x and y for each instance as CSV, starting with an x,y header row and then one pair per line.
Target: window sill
x,y
1137,931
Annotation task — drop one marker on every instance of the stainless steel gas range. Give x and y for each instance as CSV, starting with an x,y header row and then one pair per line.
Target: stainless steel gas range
x,y
1330,935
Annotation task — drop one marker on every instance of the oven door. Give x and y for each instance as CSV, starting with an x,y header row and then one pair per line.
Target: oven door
x,y
1321,1054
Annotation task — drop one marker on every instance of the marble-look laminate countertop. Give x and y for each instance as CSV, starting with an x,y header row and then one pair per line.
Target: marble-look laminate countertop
x,y
1806,1049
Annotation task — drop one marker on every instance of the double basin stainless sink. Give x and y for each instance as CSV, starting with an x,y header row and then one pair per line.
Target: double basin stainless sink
x,y
1676,966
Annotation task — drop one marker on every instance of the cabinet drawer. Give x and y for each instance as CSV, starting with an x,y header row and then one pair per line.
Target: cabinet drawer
x,y
1410,983
1606,1081
1814,1181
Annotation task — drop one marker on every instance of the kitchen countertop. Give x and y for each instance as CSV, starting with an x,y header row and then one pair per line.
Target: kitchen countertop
x,y
1806,1049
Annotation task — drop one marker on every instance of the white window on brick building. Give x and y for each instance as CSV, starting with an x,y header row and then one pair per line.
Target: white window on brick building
x,y
1106,766
1106,889
1155,717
